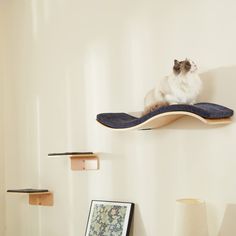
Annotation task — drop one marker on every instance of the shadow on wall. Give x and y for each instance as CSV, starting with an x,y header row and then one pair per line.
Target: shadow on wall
x,y
228,227
219,86
137,219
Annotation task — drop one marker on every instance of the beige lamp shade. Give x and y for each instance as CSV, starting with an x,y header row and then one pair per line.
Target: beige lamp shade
x,y
190,218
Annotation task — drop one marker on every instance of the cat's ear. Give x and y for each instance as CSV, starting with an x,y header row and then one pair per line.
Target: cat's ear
x,y
176,67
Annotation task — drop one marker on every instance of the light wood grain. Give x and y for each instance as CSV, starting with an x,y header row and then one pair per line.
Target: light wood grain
x,y
41,199
84,162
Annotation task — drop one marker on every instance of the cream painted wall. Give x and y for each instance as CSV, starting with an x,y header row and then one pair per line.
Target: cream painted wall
x,y
67,61
2,169
2,182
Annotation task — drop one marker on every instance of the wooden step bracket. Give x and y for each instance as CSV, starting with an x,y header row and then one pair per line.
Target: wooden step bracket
x,y
84,162
41,199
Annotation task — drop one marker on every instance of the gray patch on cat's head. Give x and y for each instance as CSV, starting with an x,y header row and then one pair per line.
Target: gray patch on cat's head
x,y
185,66
181,66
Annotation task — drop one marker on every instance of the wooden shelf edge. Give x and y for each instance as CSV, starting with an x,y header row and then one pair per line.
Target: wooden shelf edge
x,y
27,191
69,154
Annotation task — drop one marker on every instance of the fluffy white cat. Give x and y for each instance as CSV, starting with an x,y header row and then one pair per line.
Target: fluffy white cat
x,y
182,86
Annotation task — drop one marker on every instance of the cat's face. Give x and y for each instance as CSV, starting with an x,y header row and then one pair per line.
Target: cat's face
x,y
184,66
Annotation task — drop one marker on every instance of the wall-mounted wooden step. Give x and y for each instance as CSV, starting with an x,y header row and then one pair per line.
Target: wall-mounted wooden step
x,y
81,160
39,197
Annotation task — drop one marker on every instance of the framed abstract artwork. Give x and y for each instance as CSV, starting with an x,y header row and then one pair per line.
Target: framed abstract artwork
x,y
109,218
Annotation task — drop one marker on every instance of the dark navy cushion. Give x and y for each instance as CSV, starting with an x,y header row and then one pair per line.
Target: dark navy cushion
x,y
124,120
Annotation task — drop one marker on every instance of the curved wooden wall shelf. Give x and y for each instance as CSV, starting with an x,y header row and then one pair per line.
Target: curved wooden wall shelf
x,y
164,119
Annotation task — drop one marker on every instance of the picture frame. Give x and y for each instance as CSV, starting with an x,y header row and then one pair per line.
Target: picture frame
x,y
109,218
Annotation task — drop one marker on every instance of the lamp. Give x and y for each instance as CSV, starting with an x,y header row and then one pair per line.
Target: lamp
x,y
190,218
